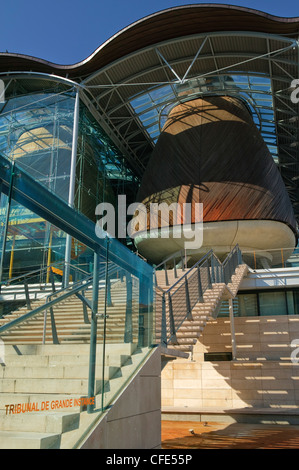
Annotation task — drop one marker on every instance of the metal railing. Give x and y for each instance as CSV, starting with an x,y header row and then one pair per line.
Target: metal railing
x,y
174,261
285,257
41,279
57,296
175,305
61,295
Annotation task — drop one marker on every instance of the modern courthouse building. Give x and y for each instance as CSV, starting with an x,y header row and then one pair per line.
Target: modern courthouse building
x,y
104,330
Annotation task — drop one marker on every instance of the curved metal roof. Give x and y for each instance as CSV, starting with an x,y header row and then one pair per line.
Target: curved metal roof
x,y
134,78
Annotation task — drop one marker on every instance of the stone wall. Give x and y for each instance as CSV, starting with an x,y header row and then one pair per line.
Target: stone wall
x,y
263,374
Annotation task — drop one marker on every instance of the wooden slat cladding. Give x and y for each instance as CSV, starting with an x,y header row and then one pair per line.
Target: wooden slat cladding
x,y
210,151
161,26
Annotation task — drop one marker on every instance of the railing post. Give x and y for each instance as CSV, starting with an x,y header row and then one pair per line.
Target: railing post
x,y
163,323
93,334
212,269
45,327
188,307
53,326
166,275
27,296
143,312
173,338
109,299
85,312
209,276
232,326
51,274
222,274
128,337
174,268
240,261
200,293
182,261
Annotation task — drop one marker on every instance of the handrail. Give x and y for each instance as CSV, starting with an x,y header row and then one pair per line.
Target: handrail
x,y
73,288
180,297
41,270
202,260
82,284
171,257
41,308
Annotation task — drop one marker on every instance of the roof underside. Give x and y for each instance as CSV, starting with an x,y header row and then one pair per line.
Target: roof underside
x,y
132,81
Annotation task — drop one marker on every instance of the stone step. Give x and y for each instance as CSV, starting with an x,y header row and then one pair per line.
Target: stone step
x,y
111,359
54,371
182,347
10,399
186,329
47,385
186,340
45,422
31,440
66,326
63,349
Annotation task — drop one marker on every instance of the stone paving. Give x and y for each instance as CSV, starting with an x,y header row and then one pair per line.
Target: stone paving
x,y
211,435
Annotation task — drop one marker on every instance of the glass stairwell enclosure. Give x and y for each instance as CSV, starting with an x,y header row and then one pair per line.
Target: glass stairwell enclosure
x,y
104,314
37,123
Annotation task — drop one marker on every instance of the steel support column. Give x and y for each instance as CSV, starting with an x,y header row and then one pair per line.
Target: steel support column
x,y
232,328
68,246
93,334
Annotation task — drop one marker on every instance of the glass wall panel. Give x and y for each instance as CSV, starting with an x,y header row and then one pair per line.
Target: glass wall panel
x,y
36,131
126,322
272,303
290,302
33,244
281,302
296,301
247,305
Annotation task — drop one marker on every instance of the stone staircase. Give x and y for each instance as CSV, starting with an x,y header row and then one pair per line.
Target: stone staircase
x,y
72,324
42,390
41,385
39,381
190,330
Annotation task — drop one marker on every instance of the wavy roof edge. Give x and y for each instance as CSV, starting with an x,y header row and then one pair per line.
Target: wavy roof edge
x,y
180,21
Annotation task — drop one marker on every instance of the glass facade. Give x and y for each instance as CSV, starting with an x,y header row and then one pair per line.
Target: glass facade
x,y
36,132
109,293
264,303
152,107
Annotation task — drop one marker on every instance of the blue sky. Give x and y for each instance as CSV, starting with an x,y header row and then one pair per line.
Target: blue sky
x,y
68,31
